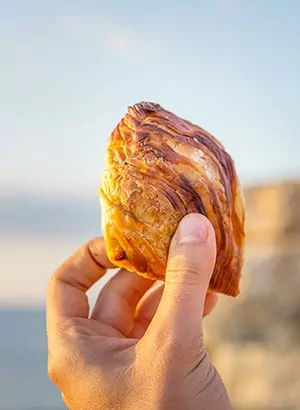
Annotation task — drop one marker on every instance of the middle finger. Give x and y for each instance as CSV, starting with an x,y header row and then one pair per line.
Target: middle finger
x,y
117,301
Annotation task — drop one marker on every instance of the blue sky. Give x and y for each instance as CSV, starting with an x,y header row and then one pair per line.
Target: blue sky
x,y
69,69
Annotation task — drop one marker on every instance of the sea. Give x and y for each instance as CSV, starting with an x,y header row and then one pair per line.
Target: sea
x,y
37,233
24,384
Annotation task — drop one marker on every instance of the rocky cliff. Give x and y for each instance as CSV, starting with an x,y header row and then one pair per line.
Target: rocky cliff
x,y
254,339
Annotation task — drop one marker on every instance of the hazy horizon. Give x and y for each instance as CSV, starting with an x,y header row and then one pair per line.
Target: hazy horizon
x,y
66,215
37,234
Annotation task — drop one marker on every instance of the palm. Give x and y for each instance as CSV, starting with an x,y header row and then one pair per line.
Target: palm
x,y
128,313
125,306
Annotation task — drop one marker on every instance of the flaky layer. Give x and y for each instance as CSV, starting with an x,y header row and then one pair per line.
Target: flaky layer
x,y
159,168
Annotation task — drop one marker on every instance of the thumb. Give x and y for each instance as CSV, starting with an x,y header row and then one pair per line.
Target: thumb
x,y
190,265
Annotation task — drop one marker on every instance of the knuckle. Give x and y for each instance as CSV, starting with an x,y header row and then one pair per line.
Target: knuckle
x,y
63,352
60,365
57,367
182,269
53,372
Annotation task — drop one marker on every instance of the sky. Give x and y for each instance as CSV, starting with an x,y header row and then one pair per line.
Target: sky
x,y
70,69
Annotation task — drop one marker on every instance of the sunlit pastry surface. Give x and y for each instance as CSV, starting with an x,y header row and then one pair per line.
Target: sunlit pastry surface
x,y
159,168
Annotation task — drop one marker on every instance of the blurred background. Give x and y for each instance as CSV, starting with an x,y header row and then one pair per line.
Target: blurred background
x,y
69,70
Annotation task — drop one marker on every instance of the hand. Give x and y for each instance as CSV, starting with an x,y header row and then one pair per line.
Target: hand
x,y
142,345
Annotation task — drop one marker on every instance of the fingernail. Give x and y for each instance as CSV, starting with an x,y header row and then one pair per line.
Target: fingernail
x,y
192,229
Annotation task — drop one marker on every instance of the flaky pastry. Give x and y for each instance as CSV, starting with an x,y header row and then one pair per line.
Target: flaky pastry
x,y
159,168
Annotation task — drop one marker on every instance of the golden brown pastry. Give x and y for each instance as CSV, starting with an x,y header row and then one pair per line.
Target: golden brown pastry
x,y
159,168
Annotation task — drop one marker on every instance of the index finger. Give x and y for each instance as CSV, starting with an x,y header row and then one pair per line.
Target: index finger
x,y
66,292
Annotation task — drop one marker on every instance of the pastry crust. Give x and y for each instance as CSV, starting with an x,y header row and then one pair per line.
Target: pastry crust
x,y
159,168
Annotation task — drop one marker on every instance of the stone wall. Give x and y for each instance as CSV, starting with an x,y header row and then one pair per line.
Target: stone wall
x,y
254,339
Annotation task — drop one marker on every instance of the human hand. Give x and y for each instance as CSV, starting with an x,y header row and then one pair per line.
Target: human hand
x,y
142,346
